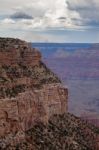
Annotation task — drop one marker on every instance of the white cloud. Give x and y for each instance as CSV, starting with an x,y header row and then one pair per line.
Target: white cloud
x,y
48,14
87,9
45,14
8,21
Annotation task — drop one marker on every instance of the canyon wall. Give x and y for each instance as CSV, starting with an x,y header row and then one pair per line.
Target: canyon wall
x,y
29,91
14,51
23,111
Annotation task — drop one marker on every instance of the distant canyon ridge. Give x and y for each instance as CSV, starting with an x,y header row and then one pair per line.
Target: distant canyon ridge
x,y
77,65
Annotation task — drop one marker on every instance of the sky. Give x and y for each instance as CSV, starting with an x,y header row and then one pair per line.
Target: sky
x,y
75,21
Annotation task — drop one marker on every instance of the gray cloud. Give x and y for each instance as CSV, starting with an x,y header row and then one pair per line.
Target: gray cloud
x,y
79,16
48,14
20,15
88,11
45,13
62,18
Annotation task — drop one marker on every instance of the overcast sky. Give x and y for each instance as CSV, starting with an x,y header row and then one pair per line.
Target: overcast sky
x,y
50,20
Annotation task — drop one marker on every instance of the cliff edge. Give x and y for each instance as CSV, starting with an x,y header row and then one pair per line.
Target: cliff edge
x,y
29,91
33,105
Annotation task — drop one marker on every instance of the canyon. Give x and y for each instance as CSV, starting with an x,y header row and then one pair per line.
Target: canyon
x,y
29,91
34,104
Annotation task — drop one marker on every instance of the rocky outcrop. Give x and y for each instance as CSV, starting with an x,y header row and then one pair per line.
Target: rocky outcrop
x,y
33,105
14,51
29,91
91,117
62,132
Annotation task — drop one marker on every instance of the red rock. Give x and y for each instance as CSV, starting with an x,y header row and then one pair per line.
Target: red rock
x,y
20,113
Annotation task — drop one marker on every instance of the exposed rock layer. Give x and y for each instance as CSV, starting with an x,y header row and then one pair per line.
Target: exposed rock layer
x,y
14,51
33,105
62,132
29,91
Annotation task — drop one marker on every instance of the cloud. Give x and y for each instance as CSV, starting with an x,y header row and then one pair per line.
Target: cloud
x,y
88,11
20,15
67,15
62,13
46,14
8,21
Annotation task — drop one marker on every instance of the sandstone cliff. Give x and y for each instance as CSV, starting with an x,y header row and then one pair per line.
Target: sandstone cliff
x,y
29,91
33,105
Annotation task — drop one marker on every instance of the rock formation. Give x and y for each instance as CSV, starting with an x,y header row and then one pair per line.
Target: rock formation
x,y
33,105
62,132
92,118
29,91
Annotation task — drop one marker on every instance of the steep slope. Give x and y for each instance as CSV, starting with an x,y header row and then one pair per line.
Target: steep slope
x,y
29,91
63,132
21,68
33,105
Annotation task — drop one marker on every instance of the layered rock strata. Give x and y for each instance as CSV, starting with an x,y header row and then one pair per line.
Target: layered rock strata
x,y
29,91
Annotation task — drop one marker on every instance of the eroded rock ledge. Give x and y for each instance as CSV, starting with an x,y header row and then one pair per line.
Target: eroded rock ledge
x,y
13,51
29,91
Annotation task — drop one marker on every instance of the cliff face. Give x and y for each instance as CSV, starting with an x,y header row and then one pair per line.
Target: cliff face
x,y
29,91
13,51
30,107
33,105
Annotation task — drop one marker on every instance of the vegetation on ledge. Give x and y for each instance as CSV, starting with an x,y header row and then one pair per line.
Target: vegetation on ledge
x,y
63,132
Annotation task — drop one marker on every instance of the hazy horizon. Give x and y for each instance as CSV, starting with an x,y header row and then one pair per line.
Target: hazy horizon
x,y
66,21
